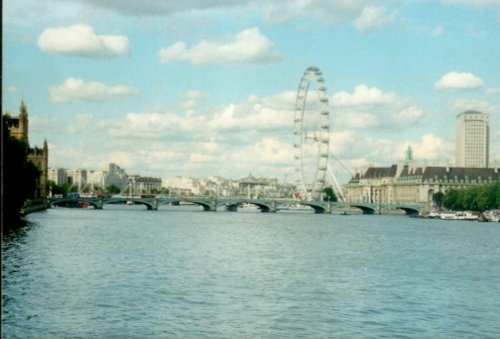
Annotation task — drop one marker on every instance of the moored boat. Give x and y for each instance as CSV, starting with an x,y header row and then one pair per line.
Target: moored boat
x,y
461,215
448,216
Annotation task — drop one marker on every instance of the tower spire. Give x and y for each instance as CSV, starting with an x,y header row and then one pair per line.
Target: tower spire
x,y
409,156
23,111
23,121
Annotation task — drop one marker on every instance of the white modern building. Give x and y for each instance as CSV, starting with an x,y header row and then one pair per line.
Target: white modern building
x,y
472,140
77,176
115,176
57,175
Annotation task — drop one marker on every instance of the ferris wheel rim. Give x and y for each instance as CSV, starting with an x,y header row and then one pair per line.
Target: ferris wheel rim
x,y
321,133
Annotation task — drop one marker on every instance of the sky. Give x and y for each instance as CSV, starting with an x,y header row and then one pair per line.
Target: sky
x,y
208,87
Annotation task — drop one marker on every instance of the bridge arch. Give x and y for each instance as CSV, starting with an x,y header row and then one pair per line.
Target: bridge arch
x,y
408,210
316,207
364,209
264,206
206,205
72,202
149,205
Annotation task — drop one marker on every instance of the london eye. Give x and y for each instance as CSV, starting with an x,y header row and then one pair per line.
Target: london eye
x,y
311,134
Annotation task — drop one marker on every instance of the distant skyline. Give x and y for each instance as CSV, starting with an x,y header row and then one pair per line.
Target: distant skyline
x,y
201,88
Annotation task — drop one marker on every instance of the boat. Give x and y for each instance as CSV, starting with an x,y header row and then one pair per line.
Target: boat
x,y
84,204
467,216
248,207
129,202
461,215
448,216
296,207
493,215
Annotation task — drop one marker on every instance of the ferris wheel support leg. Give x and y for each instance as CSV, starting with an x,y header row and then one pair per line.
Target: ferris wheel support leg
x,y
336,183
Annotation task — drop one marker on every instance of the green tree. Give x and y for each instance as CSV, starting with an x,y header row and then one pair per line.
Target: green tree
x,y
54,188
476,198
112,189
438,199
61,189
19,176
451,200
329,194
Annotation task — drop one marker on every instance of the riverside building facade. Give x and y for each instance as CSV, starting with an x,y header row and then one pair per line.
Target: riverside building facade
x,y
411,184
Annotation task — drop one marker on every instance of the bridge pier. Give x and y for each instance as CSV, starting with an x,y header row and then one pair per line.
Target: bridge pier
x,y
154,205
328,208
211,206
269,208
99,204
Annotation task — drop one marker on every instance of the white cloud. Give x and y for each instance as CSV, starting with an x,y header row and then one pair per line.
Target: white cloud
x,y
363,95
74,89
462,105
370,107
248,46
254,115
430,147
493,91
460,81
191,99
439,30
272,11
155,7
81,40
473,3
373,18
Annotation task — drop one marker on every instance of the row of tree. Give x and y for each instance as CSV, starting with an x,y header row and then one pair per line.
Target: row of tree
x,y
68,188
476,198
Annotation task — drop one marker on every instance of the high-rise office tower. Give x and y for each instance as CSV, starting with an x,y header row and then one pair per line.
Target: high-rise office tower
x,y
472,140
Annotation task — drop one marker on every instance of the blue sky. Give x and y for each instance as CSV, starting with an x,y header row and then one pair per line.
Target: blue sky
x,y
200,88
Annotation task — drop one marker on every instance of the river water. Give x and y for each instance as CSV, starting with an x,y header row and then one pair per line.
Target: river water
x,y
126,272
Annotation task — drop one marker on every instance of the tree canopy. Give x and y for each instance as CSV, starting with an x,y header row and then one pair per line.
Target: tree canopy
x,y
329,194
476,198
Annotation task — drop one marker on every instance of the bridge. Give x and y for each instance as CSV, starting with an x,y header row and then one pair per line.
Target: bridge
x,y
269,205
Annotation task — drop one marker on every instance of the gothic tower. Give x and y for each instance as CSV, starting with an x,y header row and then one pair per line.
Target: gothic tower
x,y
18,128
23,122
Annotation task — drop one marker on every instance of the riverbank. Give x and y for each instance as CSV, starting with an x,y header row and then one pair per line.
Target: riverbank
x,y
33,207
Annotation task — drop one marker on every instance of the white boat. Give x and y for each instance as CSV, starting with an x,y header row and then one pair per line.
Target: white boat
x,y
467,216
448,216
296,207
462,215
493,215
248,207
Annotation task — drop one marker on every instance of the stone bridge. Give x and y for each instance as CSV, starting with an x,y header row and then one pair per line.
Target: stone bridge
x,y
231,204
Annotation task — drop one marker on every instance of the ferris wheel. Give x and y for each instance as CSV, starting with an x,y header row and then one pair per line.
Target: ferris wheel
x,y
311,135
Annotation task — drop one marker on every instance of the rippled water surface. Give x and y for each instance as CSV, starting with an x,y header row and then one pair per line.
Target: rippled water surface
x,y
124,272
